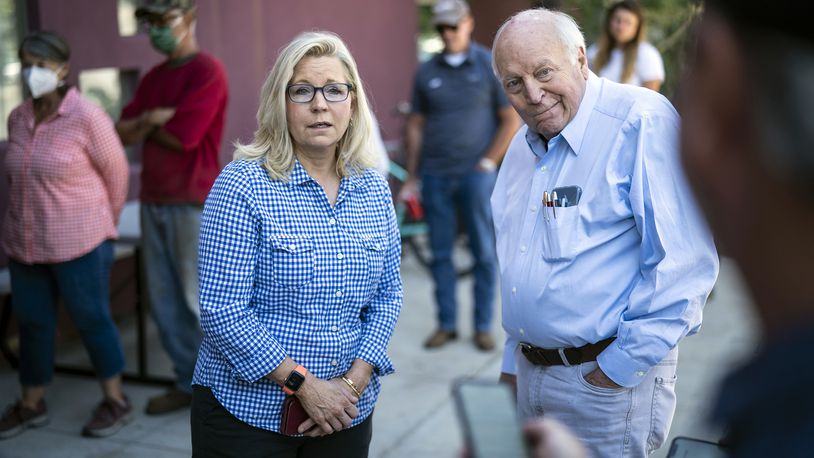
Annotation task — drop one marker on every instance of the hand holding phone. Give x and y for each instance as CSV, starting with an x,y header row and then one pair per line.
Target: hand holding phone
x,y
488,414
685,447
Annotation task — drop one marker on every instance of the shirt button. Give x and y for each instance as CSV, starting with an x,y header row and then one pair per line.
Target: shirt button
x,y
543,168
339,293
334,362
523,249
334,328
332,221
514,290
340,256
532,209
522,332
640,373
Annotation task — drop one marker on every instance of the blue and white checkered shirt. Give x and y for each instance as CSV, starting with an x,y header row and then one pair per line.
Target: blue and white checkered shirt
x,y
282,273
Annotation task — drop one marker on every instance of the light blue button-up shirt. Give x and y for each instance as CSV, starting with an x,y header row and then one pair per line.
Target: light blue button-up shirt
x,y
632,259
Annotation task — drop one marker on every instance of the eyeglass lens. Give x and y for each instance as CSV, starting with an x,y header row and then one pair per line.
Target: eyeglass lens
x,y
304,93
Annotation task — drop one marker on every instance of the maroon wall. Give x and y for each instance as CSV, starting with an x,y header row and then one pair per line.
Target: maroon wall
x,y
489,16
246,35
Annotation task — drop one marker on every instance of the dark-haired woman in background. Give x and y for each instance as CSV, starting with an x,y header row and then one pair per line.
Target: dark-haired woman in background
x,y
67,176
622,54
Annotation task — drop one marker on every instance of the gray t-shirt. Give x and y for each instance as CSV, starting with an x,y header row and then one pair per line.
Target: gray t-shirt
x,y
460,106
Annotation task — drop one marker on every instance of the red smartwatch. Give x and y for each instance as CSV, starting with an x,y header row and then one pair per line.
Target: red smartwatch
x,y
294,380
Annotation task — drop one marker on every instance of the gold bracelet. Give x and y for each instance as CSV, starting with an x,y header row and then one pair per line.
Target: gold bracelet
x,y
352,386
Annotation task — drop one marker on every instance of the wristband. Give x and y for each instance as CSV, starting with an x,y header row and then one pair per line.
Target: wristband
x,y
294,380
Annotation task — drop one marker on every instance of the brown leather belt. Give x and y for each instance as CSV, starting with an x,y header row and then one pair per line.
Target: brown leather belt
x,y
564,356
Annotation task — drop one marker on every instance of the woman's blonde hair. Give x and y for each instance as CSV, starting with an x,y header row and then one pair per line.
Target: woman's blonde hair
x,y
630,50
273,145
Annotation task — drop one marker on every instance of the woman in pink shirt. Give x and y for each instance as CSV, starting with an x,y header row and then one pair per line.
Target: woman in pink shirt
x,y
67,176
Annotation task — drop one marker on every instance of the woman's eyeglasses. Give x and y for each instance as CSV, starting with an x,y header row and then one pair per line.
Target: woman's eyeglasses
x,y
304,93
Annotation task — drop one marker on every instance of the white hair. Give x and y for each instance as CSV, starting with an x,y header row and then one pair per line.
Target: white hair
x,y
570,37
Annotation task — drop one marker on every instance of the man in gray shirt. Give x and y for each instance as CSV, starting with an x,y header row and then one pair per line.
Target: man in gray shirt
x,y
457,133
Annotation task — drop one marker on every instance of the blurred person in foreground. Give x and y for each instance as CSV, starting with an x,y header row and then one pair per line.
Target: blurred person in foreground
x,y
299,268
748,149
622,53
605,260
67,175
456,136
178,114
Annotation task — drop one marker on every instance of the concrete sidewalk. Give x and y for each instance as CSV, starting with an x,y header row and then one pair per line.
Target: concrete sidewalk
x,y
415,414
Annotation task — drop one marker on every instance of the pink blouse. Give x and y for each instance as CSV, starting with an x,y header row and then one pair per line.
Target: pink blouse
x,y
67,182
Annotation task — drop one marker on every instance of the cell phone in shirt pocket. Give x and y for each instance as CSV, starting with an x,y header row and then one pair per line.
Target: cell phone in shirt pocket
x,y
561,221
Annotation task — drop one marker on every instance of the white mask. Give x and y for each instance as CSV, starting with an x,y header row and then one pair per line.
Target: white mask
x,y
40,81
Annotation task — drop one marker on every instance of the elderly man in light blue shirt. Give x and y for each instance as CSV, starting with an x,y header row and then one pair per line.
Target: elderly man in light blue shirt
x,y
605,261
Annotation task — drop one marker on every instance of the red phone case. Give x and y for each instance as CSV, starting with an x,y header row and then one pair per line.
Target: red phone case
x,y
293,416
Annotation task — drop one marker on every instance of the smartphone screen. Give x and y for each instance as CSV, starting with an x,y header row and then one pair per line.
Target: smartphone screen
x,y
685,447
488,414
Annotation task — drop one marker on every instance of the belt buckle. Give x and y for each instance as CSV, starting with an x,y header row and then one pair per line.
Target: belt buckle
x,y
564,359
524,347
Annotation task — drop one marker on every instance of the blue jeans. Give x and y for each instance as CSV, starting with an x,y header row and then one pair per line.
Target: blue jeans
x,y
442,197
83,284
169,236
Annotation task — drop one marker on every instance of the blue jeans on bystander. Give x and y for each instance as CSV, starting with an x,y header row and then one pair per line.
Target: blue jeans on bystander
x,y
169,236
83,285
443,197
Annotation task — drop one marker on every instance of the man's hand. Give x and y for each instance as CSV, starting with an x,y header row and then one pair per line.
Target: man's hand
x,y
408,190
550,439
598,378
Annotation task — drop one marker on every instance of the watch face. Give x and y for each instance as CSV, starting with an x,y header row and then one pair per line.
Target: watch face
x,y
294,380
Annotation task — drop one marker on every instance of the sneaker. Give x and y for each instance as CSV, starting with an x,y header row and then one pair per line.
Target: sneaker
x,y
484,341
440,338
18,418
108,418
170,401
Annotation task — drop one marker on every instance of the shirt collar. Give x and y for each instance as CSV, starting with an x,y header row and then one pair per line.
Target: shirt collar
x,y
574,131
470,57
299,176
65,107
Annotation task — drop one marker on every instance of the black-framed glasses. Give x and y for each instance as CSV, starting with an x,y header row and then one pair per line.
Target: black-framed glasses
x,y
441,28
304,93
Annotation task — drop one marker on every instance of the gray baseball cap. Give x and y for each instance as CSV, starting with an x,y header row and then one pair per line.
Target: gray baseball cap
x,y
449,12
159,7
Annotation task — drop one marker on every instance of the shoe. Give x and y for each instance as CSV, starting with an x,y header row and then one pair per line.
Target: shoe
x,y
439,338
484,341
108,418
18,418
170,401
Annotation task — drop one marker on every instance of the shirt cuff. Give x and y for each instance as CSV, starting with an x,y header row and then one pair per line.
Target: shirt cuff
x,y
621,367
509,365
260,365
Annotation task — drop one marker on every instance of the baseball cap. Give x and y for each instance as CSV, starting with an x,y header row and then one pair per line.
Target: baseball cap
x,y
159,7
449,12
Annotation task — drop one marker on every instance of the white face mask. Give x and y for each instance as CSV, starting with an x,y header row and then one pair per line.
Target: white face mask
x,y
40,81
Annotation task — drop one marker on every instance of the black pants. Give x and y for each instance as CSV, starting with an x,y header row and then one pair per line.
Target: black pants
x,y
217,433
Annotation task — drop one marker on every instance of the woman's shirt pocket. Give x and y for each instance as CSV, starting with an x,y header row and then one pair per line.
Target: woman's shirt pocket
x,y
292,260
375,248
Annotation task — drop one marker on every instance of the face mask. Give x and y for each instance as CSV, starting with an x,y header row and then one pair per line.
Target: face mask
x,y
162,38
40,81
